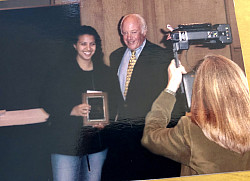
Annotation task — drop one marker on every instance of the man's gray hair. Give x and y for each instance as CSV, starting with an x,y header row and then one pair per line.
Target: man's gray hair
x,y
143,24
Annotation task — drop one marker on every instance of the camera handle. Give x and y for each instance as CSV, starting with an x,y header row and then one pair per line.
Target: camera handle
x,y
187,79
175,50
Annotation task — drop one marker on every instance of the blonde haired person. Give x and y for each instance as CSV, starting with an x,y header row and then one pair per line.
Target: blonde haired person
x,y
216,137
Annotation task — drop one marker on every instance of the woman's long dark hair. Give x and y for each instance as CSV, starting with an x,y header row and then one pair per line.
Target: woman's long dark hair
x,y
83,30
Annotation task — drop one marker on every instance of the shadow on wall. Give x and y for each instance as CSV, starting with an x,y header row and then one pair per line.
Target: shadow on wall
x,y
32,40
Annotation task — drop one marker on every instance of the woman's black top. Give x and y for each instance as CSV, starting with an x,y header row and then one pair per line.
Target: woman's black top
x,y
62,91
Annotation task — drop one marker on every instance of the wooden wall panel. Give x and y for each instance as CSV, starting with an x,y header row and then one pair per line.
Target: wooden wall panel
x,y
161,20
92,14
149,13
104,15
235,47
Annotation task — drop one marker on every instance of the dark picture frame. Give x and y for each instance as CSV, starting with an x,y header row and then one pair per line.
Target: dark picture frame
x,y
99,108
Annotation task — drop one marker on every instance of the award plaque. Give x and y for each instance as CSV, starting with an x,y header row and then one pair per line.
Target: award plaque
x,y
99,108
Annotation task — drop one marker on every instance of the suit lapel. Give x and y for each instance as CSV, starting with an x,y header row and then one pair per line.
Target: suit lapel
x,y
144,53
120,55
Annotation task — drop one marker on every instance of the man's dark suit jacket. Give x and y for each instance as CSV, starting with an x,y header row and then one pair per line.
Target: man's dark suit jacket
x,y
148,79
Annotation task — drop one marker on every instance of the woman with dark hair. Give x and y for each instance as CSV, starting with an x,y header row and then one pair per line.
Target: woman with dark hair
x,y
216,137
78,152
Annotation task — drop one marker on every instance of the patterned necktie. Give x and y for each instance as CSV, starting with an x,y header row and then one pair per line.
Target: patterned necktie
x,y
131,65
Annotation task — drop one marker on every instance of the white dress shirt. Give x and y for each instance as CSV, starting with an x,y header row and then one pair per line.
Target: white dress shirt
x,y
122,71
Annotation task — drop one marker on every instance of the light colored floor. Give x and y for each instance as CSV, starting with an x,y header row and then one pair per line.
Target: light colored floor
x,y
232,176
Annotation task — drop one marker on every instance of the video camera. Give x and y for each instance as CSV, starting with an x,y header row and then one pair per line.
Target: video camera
x,y
205,33
185,35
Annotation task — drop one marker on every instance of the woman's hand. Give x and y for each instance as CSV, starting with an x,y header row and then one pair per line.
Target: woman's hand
x,y
84,110
81,110
175,76
99,126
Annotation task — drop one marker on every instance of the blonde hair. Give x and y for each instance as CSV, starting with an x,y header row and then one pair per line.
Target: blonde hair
x,y
221,103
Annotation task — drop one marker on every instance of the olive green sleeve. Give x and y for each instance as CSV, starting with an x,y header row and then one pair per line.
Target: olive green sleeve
x,y
168,142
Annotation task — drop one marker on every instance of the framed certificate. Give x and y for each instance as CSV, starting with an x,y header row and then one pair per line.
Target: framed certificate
x,y
99,108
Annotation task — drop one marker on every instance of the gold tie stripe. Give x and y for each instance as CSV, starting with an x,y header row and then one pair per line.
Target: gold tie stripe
x,y
131,65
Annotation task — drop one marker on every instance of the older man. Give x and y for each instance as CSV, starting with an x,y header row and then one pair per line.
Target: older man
x,y
149,73
141,67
